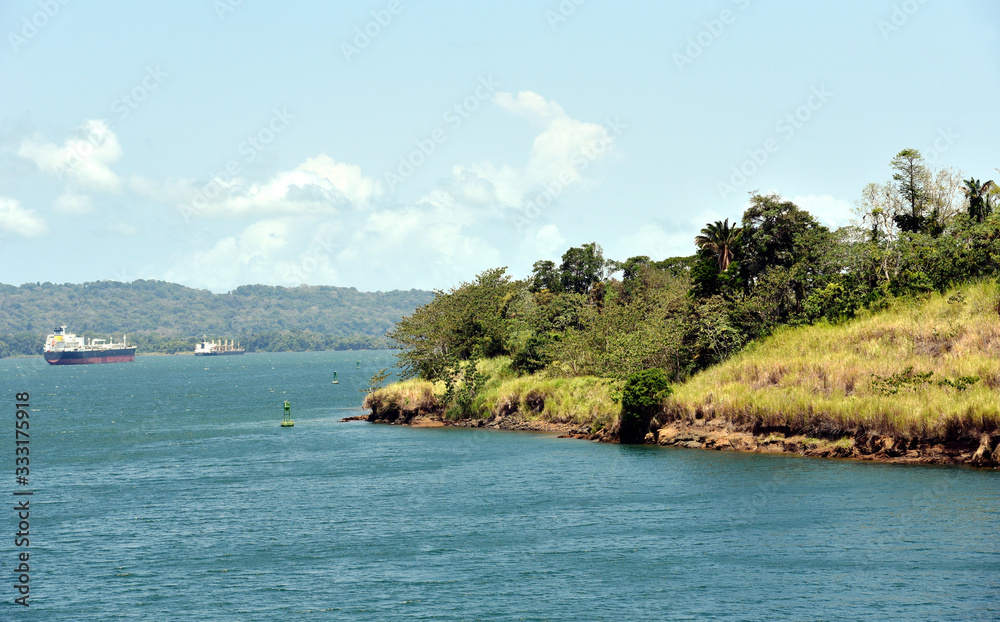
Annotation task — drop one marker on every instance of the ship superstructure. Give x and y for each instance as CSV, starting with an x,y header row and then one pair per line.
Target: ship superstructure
x,y
220,348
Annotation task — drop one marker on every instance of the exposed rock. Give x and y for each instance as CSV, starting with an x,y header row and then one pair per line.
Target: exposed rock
x,y
355,418
718,434
535,401
983,456
665,436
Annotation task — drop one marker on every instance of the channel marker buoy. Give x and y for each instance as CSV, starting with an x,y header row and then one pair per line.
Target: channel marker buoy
x,y
287,422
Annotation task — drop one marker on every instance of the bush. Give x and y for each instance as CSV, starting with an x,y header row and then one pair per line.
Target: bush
x,y
644,391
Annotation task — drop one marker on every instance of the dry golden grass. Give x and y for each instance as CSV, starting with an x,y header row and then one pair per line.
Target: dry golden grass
x,y
825,379
582,400
413,395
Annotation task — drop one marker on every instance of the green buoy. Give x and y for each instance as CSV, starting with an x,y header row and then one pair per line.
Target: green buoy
x,y
358,366
287,422
335,381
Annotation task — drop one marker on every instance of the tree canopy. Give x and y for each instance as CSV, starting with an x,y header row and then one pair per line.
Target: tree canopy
x,y
590,315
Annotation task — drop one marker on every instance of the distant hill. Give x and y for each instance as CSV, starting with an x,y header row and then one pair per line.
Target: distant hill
x,y
167,317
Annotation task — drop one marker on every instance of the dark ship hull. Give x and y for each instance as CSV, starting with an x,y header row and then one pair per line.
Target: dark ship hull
x,y
87,357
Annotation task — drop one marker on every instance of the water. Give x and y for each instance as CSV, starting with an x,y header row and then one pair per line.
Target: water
x,y
164,489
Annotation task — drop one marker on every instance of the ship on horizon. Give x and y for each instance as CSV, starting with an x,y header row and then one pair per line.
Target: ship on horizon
x,y
211,348
62,348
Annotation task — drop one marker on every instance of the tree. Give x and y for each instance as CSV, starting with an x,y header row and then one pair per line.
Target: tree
x,y
978,194
878,208
911,179
775,233
943,191
720,238
467,322
632,267
544,276
582,267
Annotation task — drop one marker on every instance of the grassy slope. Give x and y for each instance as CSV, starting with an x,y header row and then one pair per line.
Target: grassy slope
x,y
581,400
815,380
824,379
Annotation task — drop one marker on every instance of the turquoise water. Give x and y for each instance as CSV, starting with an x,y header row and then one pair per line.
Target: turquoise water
x,y
164,489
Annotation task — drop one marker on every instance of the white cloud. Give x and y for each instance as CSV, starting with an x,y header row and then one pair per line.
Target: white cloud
x,y
346,178
235,259
16,219
325,221
73,203
530,105
560,155
84,159
418,246
319,185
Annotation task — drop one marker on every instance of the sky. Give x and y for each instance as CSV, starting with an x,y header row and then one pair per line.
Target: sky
x,y
398,144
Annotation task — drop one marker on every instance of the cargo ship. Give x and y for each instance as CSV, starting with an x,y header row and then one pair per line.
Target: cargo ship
x,y
211,348
62,348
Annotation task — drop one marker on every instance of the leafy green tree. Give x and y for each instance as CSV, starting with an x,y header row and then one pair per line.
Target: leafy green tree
x,y
466,322
632,267
582,267
630,333
544,276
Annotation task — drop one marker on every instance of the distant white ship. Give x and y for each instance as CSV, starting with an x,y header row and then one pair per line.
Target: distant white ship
x,y
221,348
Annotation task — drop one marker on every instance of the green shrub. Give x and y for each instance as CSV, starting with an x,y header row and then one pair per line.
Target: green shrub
x,y
644,391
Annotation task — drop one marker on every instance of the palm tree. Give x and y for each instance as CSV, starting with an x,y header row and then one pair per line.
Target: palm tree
x,y
720,238
979,198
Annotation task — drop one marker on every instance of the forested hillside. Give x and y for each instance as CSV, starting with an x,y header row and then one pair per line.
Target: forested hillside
x,y
166,317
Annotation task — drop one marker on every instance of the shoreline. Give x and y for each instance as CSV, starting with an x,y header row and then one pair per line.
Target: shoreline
x,y
720,435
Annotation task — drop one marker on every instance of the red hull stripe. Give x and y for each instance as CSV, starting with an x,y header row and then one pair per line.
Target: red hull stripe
x,y
61,359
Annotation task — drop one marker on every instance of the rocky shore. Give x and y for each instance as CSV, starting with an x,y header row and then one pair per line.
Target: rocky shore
x,y
719,435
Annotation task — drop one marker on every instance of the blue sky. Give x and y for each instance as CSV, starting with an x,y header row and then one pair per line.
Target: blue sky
x,y
396,144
